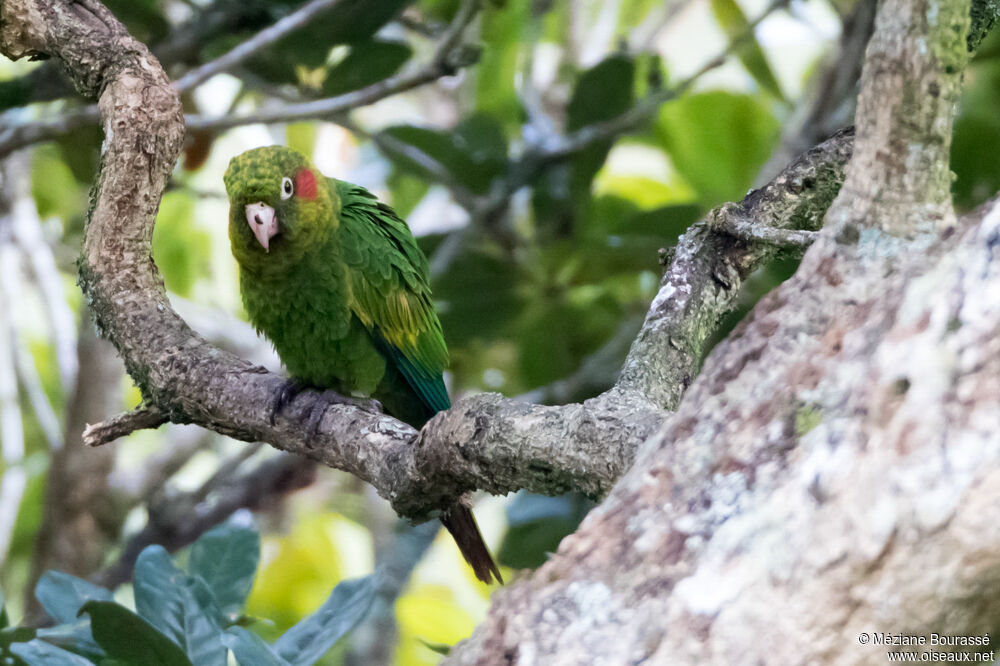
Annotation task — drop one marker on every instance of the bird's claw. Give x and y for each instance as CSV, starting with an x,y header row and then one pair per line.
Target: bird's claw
x,y
290,388
366,404
284,395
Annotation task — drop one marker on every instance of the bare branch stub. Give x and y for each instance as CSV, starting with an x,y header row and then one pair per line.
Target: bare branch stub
x,y
123,424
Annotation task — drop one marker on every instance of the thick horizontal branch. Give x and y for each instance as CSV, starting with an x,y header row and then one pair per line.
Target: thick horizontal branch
x,y
486,442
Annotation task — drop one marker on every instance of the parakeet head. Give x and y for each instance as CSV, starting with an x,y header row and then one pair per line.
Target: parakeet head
x,y
279,206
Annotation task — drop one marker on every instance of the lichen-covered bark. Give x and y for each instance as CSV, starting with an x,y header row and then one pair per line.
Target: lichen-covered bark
x,y
831,469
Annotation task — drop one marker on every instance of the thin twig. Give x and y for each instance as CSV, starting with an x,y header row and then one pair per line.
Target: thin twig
x,y
729,219
255,44
27,374
445,62
14,479
560,148
141,418
42,264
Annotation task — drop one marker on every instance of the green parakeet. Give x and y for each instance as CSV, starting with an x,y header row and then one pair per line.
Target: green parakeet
x,y
335,280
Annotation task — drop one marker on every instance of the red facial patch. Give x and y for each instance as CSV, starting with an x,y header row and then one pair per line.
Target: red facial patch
x,y
305,184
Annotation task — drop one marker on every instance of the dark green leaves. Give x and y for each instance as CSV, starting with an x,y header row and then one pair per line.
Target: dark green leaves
x,y
182,618
473,153
180,606
226,558
602,93
349,22
127,637
309,640
367,63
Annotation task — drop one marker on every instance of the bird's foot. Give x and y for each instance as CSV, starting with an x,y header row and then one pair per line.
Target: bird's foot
x,y
365,404
284,395
318,409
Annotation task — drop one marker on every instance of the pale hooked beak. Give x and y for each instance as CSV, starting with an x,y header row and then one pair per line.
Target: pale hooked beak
x,y
263,222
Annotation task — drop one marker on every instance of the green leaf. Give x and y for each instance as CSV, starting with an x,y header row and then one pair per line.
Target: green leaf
x,y
250,649
11,635
144,18
440,648
349,22
127,637
74,637
734,23
4,620
477,297
226,558
502,34
179,605
977,171
38,652
717,141
367,63
603,92
474,153
62,594
346,606
180,249
53,186
301,137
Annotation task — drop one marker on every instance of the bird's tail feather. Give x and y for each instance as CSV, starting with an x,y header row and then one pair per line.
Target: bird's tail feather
x,y
462,525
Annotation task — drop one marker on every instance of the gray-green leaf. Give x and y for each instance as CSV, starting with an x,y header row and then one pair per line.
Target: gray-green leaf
x,y
346,606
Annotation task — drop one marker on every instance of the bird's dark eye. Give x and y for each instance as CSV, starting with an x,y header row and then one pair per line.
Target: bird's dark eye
x,y
286,188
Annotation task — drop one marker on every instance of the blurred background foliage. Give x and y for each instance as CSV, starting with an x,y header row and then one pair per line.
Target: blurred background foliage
x,y
542,266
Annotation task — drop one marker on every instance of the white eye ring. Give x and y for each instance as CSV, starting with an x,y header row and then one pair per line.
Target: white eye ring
x,y
287,189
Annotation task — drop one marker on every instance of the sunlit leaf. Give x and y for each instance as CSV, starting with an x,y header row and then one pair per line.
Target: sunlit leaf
x,y
717,141
180,249
502,32
734,23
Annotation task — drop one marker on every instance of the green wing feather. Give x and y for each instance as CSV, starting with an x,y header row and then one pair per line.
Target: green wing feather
x,y
390,292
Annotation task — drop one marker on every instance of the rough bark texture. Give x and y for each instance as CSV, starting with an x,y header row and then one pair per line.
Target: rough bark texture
x,y
831,469
486,442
